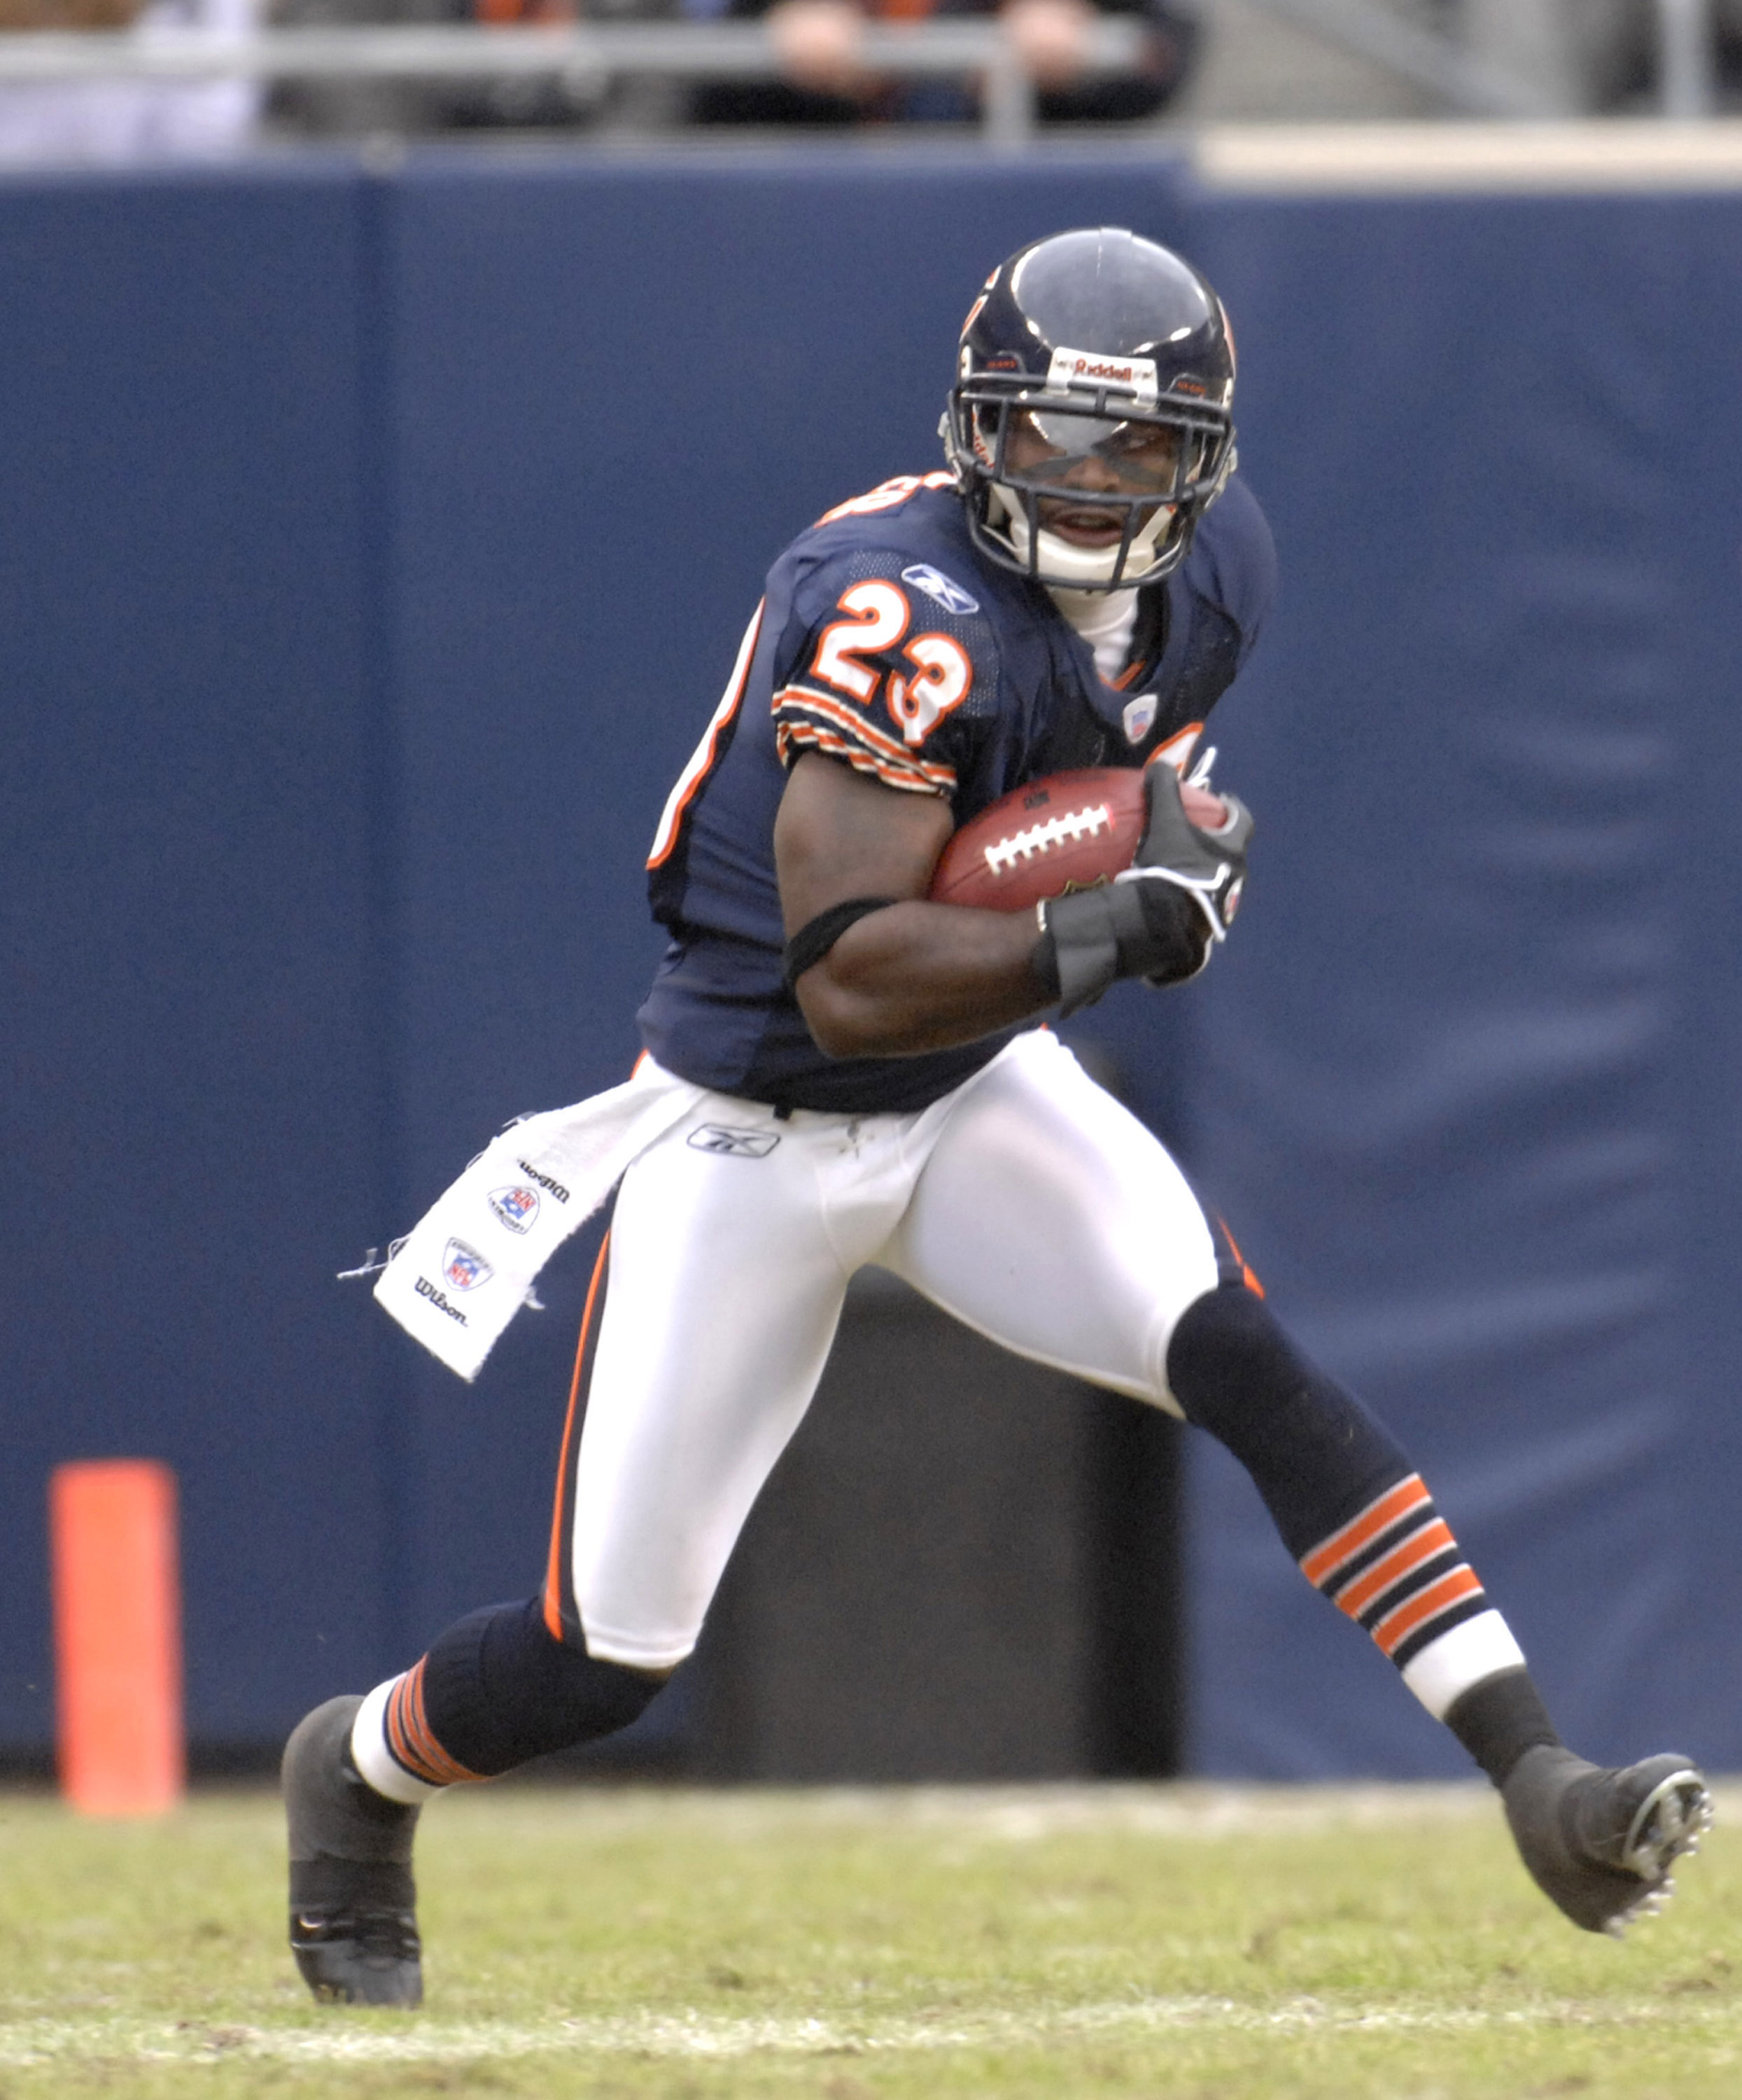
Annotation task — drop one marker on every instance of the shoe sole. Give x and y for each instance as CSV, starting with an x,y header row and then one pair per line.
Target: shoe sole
x,y
339,1972
1668,1825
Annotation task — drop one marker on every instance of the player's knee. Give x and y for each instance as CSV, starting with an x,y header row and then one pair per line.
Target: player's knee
x,y
499,1688
1228,1358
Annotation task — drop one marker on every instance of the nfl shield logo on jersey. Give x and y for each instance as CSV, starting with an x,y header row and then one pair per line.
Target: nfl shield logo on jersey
x,y
515,1207
464,1267
1139,717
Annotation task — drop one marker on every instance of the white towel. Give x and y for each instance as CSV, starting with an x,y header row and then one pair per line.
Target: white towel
x,y
464,1270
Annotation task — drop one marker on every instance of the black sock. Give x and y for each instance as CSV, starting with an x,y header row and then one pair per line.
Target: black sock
x,y
1314,1453
1497,1720
496,1689
1362,1525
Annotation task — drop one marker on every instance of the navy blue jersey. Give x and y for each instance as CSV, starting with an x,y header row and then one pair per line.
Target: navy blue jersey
x,y
884,641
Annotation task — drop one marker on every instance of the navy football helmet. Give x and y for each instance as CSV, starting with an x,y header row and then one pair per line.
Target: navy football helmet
x,y
1091,424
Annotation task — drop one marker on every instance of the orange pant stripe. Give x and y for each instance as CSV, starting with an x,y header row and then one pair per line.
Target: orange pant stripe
x,y
559,1522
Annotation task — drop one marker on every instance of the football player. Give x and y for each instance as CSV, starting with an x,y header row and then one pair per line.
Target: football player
x,y
851,1074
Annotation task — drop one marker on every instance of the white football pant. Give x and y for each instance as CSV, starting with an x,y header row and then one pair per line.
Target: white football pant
x,y
1028,1203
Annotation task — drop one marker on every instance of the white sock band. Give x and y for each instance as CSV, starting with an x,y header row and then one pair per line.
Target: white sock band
x,y
1448,1667
380,1768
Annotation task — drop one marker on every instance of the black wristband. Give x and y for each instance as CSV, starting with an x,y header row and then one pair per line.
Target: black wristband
x,y
814,939
1043,960
1152,930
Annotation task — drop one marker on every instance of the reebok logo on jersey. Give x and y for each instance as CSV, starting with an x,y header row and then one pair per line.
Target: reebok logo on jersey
x,y
544,1180
1084,367
425,1289
945,590
739,1144
516,1207
464,1267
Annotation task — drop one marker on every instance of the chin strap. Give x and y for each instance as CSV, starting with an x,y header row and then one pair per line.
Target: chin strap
x,y
1065,567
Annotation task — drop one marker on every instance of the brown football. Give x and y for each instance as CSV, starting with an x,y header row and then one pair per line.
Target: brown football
x,y
1068,830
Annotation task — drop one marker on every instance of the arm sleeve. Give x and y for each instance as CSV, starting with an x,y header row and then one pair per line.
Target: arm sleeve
x,y
1235,558
870,671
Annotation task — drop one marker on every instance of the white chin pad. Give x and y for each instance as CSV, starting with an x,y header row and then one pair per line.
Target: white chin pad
x,y
1066,563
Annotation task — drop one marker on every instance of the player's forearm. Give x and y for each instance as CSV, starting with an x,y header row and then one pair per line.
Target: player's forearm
x,y
919,976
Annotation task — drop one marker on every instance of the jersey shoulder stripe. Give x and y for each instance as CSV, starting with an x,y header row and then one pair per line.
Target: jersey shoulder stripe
x,y
709,751
887,495
806,719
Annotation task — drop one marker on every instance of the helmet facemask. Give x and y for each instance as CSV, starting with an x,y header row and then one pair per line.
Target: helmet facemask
x,y
1040,465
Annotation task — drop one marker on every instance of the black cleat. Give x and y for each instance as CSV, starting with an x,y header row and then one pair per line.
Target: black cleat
x,y
1601,1844
361,1957
353,1902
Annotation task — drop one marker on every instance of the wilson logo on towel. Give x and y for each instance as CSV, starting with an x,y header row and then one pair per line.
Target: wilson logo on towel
x,y
544,1180
425,1289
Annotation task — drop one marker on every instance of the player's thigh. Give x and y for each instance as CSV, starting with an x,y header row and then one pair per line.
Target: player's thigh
x,y
721,1298
1048,1218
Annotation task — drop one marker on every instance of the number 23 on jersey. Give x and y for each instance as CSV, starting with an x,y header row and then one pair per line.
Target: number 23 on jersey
x,y
940,673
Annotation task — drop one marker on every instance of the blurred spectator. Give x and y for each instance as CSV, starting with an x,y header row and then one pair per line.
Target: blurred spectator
x,y
357,108
1631,80
126,119
1605,55
512,101
522,102
825,80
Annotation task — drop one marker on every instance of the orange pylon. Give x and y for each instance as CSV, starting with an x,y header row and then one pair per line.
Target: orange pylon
x,y
117,1636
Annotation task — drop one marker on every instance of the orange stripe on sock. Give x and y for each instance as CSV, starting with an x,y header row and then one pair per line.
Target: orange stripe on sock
x,y
1397,1626
1417,1549
438,1767
451,1770
412,1744
1390,1508
413,1740
553,1569
399,1741
396,1738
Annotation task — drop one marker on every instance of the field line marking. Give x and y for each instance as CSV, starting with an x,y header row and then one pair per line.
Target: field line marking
x,y
29,2042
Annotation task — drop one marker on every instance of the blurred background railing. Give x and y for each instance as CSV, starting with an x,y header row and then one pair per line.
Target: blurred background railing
x,y
654,66
579,60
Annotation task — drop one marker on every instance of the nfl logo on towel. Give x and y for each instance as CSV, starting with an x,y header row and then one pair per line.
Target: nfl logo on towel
x,y
464,1267
516,1207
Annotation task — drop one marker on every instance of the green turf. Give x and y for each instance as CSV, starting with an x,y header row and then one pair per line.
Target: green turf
x,y
1170,1943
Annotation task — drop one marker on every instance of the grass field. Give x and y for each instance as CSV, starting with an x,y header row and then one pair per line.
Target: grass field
x,y
1175,1943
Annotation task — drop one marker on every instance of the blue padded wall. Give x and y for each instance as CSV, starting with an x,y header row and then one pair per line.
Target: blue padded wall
x,y
194,1105
1465,1081
374,551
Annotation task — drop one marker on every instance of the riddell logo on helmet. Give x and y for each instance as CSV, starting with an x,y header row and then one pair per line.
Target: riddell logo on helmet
x,y
1088,368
